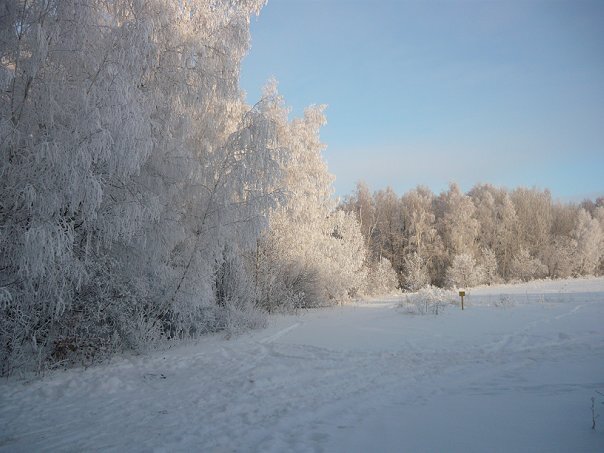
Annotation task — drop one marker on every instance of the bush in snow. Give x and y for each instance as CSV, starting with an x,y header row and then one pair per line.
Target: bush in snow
x,y
504,301
429,300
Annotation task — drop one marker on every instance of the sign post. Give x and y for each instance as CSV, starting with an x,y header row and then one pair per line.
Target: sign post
x,y
461,294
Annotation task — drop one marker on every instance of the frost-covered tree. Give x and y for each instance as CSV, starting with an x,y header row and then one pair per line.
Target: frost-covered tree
x,y
381,278
506,243
420,220
498,227
423,234
488,264
390,227
484,198
525,267
344,272
319,252
464,272
560,256
599,216
363,205
560,252
64,147
132,171
459,227
534,212
416,272
588,237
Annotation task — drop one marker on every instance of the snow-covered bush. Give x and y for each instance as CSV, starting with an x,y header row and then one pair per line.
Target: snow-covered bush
x,y
280,284
239,318
429,300
504,301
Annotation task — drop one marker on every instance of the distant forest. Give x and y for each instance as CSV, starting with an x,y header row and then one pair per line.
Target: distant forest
x,y
486,236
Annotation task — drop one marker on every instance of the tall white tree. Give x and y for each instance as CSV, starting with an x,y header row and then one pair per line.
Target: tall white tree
x,y
416,272
381,278
132,169
488,265
459,225
506,244
534,212
599,216
389,231
424,245
318,252
464,272
363,205
588,236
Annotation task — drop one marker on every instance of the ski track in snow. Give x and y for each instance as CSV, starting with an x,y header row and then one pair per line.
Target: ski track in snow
x,y
363,377
279,334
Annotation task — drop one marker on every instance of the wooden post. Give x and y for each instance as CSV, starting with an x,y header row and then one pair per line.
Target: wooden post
x,y
461,294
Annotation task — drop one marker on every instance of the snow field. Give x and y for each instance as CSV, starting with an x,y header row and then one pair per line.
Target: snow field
x,y
362,377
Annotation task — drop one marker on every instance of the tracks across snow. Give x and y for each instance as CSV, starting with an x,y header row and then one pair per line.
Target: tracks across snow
x,y
363,377
279,334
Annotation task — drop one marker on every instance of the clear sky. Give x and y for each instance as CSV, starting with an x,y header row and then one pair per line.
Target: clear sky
x,y
426,92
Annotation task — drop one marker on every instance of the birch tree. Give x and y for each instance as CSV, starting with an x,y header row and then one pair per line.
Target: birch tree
x,y
129,161
311,254
588,236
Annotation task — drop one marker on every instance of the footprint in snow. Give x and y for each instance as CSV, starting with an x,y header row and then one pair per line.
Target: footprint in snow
x,y
153,376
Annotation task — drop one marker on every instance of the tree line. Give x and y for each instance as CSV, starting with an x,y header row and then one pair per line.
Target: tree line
x,y
485,236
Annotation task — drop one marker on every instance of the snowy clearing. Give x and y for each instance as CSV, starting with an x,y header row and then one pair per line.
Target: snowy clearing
x,y
510,373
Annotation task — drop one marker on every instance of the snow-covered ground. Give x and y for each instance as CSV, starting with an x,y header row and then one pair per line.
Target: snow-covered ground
x,y
510,373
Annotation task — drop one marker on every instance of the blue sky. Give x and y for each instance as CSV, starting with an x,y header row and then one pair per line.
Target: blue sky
x,y
426,92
